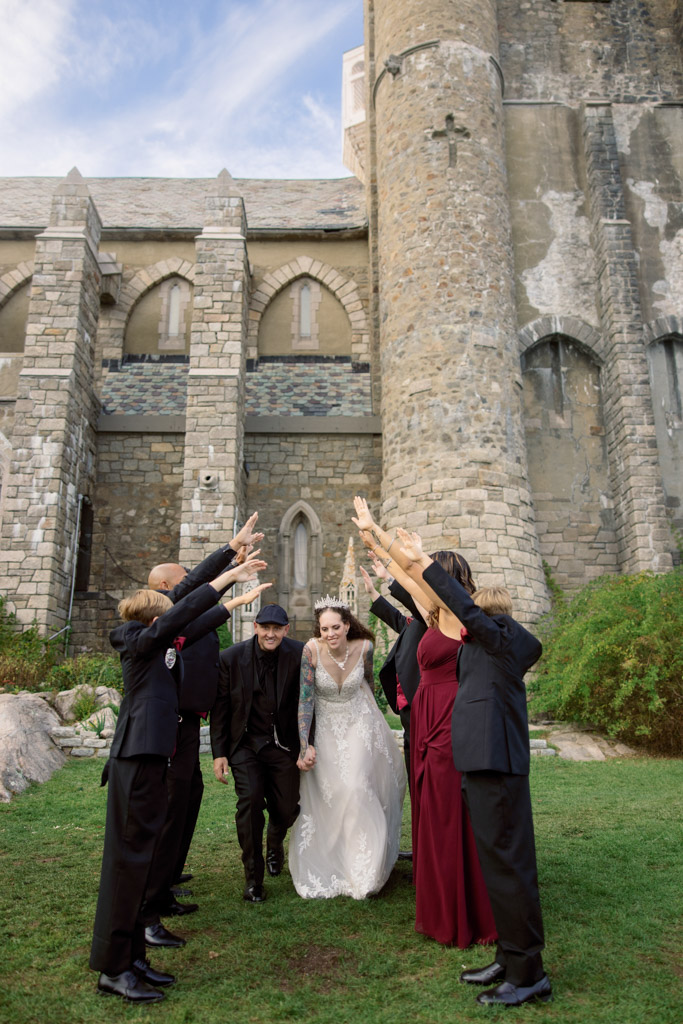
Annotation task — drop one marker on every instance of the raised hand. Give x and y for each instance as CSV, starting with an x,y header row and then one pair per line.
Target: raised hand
x,y
251,595
246,535
249,569
368,539
362,519
411,544
370,587
378,568
243,552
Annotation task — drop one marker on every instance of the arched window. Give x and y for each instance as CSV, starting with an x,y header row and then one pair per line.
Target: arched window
x,y
666,382
174,327
567,459
300,560
305,311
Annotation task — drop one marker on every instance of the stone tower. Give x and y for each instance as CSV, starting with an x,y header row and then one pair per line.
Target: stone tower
x,y
454,447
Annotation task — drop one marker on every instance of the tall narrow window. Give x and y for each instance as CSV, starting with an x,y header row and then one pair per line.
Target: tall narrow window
x,y
301,556
174,312
305,311
84,553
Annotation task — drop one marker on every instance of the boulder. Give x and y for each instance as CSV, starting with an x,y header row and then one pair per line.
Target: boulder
x,y
27,753
107,695
105,719
64,702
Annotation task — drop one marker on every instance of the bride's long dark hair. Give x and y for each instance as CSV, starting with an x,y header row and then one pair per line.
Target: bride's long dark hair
x,y
357,631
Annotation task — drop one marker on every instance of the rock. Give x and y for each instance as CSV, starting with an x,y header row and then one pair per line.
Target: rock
x,y
64,702
27,752
107,695
99,720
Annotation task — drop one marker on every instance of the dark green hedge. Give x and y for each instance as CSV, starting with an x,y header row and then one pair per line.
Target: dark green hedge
x,y
613,657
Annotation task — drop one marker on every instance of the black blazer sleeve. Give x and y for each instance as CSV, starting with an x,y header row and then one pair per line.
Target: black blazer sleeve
x,y
386,611
206,571
204,624
405,598
142,641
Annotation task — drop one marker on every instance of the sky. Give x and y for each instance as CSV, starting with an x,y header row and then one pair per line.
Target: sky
x,y
174,88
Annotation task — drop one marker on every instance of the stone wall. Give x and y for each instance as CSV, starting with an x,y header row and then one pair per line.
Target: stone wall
x,y
137,505
325,471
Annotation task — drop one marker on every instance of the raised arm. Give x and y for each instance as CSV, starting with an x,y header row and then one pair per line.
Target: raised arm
x,y
306,758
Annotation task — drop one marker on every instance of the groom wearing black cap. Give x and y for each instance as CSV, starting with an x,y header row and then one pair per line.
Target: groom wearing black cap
x,y
254,730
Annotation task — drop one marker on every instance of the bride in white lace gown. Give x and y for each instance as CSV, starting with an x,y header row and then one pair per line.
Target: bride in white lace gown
x,y
345,841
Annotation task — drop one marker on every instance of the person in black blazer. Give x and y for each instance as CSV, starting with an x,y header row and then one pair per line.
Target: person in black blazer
x,y
400,665
197,693
490,735
144,741
254,731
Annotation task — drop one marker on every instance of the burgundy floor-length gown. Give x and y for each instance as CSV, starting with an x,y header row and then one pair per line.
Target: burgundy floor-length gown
x,y
451,905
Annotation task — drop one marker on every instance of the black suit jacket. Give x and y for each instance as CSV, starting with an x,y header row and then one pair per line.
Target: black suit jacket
x,y
401,660
230,713
490,730
148,716
200,658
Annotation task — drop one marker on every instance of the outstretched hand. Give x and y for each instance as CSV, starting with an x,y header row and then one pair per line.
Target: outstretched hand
x,y
370,587
362,518
379,570
246,535
411,544
249,569
251,595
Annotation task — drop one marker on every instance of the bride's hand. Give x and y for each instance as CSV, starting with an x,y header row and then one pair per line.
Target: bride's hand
x,y
306,762
362,519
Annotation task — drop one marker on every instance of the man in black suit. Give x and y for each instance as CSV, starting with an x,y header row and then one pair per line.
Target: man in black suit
x,y
196,697
491,748
136,771
254,730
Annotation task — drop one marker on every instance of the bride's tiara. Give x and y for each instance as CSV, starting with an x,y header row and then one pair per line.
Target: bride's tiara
x,y
330,602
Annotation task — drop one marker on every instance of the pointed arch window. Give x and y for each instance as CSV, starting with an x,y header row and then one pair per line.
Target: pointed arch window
x,y
300,560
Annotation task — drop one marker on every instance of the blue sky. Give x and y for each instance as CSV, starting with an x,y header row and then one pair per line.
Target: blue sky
x,y
177,88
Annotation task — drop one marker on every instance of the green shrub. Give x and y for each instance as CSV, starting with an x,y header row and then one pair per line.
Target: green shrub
x,y
25,657
84,706
90,669
613,658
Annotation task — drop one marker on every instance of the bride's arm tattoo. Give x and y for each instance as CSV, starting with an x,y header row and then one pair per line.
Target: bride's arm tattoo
x,y
368,667
306,699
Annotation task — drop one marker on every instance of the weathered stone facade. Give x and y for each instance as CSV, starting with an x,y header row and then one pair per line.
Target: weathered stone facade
x,y
482,333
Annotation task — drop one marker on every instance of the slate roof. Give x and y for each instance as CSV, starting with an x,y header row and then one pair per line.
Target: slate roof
x,y
332,204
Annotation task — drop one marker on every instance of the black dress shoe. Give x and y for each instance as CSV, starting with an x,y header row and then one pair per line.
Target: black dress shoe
x,y
129,986
185,877
484,975
157,935
405,855
254,894
177,890
174,909
508,994
144,970
275,859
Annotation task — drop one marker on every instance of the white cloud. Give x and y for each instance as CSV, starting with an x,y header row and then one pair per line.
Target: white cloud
x,y
33,40
181,101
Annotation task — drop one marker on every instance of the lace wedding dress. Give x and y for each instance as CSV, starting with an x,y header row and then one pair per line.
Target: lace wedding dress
x,y
346,838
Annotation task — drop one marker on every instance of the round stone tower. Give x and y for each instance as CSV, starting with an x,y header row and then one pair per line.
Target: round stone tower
x,y
454,450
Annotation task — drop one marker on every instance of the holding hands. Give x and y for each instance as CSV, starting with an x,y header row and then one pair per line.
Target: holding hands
x,y
306,762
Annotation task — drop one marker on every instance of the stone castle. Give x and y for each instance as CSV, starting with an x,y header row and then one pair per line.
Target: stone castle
x,y
481,331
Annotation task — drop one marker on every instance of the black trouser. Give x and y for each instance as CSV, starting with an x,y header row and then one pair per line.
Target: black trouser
x,y
500,812
267,779
185,787
136,808
404,715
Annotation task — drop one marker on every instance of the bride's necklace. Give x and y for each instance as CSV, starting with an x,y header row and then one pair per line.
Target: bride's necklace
x,y
341,664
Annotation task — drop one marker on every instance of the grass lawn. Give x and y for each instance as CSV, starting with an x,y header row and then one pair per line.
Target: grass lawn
x,y
610,858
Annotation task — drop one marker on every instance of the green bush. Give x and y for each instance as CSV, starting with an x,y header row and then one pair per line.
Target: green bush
x,y
613,658
91,669
25,657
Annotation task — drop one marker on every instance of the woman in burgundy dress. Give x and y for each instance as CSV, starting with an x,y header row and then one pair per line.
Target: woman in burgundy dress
x,y
452,905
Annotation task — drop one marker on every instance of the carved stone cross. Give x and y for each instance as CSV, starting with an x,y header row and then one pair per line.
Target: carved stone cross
x,y
451,132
